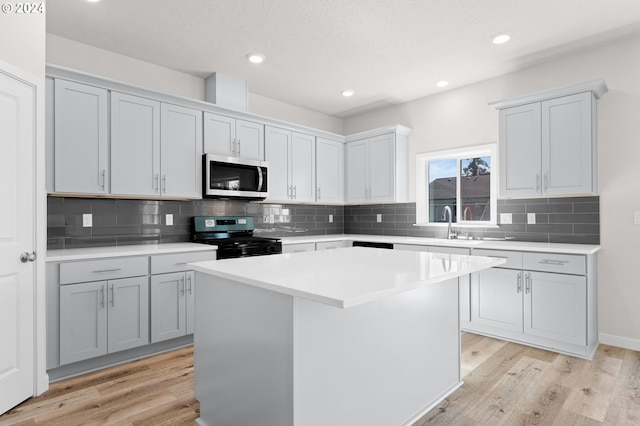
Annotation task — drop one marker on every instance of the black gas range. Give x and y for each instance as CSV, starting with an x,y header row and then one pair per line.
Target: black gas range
x,y
233,235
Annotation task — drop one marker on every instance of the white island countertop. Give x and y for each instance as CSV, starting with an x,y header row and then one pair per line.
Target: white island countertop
x,y
346,277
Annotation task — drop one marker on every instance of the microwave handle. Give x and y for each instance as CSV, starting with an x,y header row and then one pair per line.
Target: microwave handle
x,y
259,178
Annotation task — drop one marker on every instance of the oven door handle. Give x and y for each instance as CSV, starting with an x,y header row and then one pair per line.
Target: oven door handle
x,y
260,180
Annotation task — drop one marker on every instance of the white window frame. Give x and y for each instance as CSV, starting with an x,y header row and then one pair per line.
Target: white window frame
x,y
422,187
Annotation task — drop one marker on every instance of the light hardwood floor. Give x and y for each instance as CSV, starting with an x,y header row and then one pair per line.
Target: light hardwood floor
x,y
504,384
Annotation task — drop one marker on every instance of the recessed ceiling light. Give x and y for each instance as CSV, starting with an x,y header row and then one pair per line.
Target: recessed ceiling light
x,y
93,1
441,83
255,58
501,38
348,92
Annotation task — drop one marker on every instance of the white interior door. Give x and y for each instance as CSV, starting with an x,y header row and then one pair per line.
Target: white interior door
x,y
17,219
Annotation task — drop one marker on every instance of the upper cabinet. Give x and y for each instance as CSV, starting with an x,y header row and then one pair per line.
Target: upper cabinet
x,y
233,137
377,166
81,135
292,165
135,145
329,171
547,142
156,148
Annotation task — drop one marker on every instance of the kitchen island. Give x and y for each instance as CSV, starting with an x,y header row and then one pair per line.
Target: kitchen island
x,y
351,336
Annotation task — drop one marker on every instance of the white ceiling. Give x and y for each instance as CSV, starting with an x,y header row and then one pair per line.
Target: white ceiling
x,y
388,51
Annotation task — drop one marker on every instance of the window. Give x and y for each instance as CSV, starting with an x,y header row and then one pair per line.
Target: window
x,y
461,179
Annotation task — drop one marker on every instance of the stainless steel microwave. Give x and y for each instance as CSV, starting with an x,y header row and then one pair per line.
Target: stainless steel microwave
x,y
231,177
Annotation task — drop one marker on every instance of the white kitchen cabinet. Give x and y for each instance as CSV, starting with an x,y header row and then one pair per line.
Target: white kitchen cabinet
x,y
156,148
81,138
103,317
181,151
172,294
329,171
168,306
540,299
376,166
292,165
547,142
135,145
496,299
233,137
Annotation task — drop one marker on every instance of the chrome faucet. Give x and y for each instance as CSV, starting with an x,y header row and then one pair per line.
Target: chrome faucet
x,y
450,234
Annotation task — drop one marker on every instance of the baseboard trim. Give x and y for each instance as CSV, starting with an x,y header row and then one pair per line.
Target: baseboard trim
x,y
619,341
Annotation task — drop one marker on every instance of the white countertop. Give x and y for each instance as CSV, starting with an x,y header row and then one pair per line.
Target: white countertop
x,y
480,244
122,251
345,277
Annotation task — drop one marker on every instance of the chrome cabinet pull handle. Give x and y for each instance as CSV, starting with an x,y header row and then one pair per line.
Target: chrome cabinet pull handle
x,y
190,285
103,176
102,296
164,184
537,181
113,297
318,193
238,147
102,271
546,181
527,283
519,289
156,182
553,262
295,192
182,286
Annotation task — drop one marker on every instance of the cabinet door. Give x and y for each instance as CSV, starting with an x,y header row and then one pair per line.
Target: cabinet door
x,y
135,145
168,306
190,302
496,299
567,146
181,152
81,139
219,135
329,171
382,168
250,140
83,321
357,169
520,151
128,318
303,167
277,142
556,307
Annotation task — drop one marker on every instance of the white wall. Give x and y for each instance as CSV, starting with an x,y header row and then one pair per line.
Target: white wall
x,y
77,56
22,41
461,117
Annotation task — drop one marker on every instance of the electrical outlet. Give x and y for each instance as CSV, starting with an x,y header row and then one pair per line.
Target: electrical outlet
x,y
87,220
506,218
169,219
379,217
531,218
330,218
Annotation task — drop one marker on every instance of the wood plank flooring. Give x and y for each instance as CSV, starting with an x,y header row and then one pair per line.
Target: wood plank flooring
x,y
504,384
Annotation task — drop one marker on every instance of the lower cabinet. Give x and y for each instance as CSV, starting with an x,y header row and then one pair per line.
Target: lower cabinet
x,y
546,309
97,318
172,301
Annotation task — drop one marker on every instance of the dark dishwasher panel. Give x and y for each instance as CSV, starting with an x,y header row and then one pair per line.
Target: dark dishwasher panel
x,y
374,245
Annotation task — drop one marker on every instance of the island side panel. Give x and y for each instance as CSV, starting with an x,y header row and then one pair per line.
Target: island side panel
x,y
382,363
243,354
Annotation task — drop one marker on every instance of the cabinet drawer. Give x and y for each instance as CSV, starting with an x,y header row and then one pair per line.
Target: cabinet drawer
x,y
552,262
449,250
298,248
104,269
514,258
177,262
326,245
